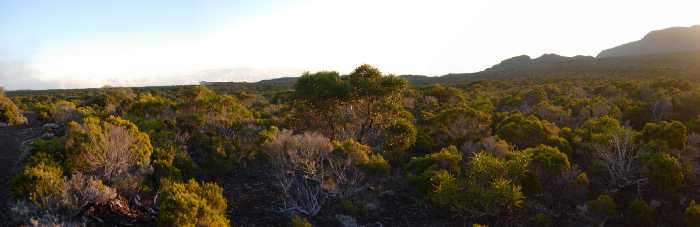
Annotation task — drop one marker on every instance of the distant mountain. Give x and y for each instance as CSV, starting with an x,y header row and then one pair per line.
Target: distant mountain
x,y
677,65
670,40
544,62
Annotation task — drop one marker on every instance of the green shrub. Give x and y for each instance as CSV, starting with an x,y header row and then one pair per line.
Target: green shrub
x,y
582,180
598,130
692,215
171,162
457,125
442,188
484,167
299,221
399,136
560,143
377,164
504,197
665,135
639,214
665,172
448,159
548,161
526,131
542,220
351,150
603,207
39,181
9,113
191,204
99,138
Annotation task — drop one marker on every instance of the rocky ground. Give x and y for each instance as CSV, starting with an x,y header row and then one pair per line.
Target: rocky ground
x,y
12,141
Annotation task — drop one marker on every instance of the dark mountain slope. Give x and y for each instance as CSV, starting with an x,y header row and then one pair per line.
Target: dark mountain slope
x,y
670,40
683,65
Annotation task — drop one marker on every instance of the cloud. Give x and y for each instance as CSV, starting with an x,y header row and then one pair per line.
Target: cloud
x,y
17,74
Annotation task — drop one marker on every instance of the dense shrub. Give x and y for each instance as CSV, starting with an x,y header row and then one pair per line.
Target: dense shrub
x,y
299,221
191,204
548,161
665,172
39,182
63,112
639,213
448,159
399,136
604,207
665,135
113,150
525,131
9,113
692,214
528,152
456,126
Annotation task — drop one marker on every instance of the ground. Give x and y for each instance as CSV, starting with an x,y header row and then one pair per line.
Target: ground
x,y
11,140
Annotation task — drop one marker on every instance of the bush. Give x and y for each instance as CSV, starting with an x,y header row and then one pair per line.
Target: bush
x,y
484,168
665,135
665,172
377,164
603,207
448,159
639,214
526,131
297,163
548,161
354,152
456,126
191,204
113,150
63,112
598,130
442,188
172,162
542,220
9,113
502,197
692,215
39,182
299,221
398,138
83,190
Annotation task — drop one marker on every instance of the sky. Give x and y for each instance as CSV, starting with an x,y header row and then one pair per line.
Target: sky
x,y
90,43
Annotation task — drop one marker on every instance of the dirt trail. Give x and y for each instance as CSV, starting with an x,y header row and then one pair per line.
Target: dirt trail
x,y
11,140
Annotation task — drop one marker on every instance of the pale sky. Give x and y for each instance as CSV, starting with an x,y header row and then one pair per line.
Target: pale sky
x,y
70,44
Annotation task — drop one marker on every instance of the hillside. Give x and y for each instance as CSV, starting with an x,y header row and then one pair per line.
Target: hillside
x,y
670,40
680,65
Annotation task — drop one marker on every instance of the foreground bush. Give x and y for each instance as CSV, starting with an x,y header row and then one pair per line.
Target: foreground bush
x,y
97,166
192,204
113,150
297,163
692,214
38,182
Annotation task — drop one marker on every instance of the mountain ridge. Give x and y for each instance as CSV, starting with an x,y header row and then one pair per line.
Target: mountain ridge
x,y
669,40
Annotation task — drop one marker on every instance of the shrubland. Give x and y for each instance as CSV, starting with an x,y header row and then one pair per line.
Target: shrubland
x,y
370,148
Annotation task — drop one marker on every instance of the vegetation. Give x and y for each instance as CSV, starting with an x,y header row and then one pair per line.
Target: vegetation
x,y
9,113
366,148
